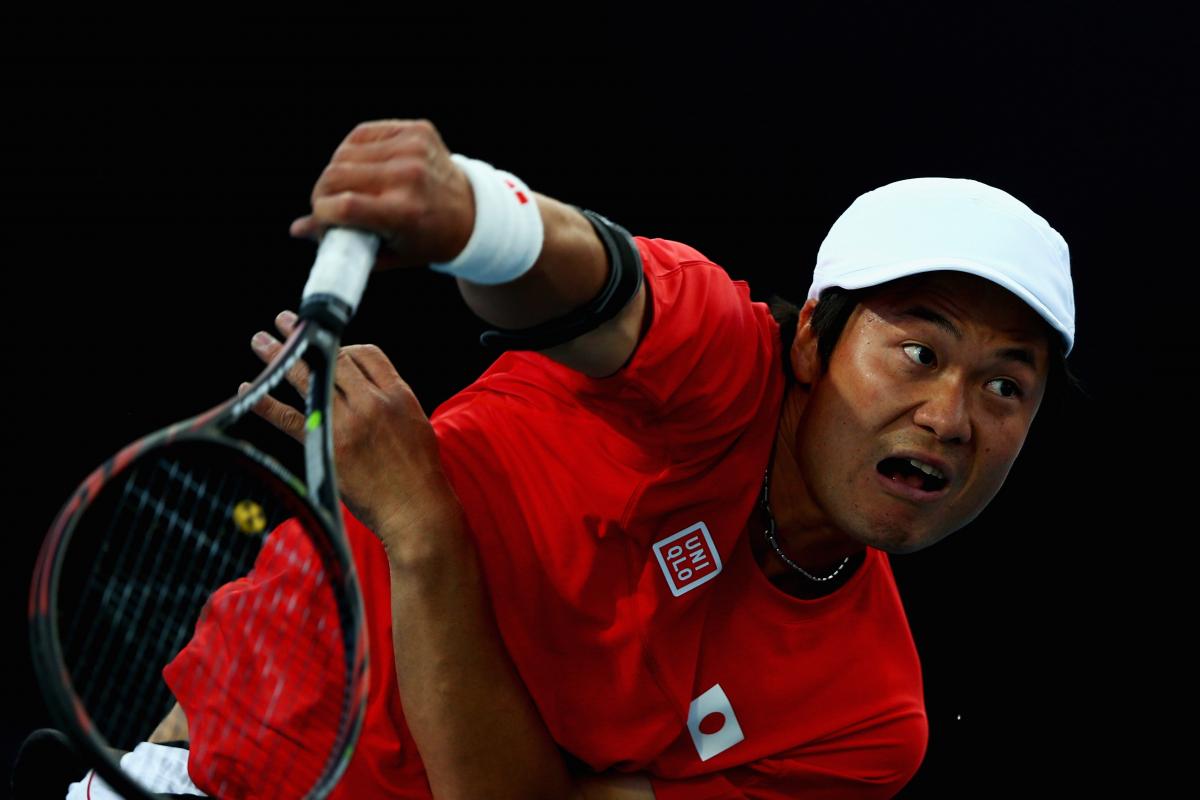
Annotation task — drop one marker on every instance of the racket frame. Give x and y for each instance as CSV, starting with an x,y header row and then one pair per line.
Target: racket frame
x,y
316,338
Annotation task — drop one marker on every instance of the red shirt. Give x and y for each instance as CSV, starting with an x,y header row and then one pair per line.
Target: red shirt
x,y
574,486
609,517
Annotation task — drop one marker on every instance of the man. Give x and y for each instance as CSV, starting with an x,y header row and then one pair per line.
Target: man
x,y
657,543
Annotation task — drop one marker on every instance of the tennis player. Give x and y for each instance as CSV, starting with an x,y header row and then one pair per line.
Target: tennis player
x,y
645,554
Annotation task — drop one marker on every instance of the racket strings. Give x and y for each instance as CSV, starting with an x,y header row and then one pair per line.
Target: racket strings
x,y
168,545
97,591
126,580
109,586
186,585
168,625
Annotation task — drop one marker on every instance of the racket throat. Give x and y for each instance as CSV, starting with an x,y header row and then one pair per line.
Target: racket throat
x,y
318,428
328,311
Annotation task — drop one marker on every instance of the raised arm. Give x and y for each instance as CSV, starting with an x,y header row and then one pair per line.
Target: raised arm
x,y
396,178
475,725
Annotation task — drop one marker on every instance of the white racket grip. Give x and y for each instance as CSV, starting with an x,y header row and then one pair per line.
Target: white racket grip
x,y
343,264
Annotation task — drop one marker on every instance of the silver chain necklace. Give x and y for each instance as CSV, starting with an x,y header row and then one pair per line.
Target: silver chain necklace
x,y
769,532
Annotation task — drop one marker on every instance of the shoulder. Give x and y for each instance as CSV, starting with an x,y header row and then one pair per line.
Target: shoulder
x,y
690,291
658,263
665,254
705,347
671,267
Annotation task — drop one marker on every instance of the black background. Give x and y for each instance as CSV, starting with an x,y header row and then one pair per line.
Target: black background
x,y
151,166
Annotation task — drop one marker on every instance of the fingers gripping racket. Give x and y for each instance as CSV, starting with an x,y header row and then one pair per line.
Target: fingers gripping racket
x,y
193,568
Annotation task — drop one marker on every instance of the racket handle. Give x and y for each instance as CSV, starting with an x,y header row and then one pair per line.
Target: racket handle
x,y
344,261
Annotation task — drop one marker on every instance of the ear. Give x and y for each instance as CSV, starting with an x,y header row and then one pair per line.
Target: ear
x,y
806,362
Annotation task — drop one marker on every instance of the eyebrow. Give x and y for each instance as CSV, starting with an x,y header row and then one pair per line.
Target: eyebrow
x,y
926,314
929,315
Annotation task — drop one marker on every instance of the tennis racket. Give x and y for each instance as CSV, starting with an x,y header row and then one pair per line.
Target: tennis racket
x,y
192,567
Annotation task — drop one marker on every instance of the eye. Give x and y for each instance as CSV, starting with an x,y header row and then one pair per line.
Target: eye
x,y
1004,387
920,354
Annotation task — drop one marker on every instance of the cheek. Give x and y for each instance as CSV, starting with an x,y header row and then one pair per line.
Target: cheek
x,y
831,419
854,410
862,377
832,440
996,461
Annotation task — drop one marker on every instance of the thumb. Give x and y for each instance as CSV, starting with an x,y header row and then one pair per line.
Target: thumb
x,y
304,228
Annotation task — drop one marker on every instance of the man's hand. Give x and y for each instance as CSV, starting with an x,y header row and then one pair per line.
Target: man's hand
x,y
385,450
395,178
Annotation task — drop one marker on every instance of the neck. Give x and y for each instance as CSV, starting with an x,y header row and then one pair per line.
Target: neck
x,y
803,530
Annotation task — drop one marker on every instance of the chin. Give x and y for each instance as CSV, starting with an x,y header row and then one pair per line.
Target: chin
x,y
900,549
902,541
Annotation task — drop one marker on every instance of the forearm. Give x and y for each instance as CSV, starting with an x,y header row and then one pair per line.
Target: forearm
x,y
398,179
476,728
173,728
569,272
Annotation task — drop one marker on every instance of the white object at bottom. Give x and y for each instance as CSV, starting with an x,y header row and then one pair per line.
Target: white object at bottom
x,y
161,769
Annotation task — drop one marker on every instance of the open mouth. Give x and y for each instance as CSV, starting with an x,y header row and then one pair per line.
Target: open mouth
x,y
913,472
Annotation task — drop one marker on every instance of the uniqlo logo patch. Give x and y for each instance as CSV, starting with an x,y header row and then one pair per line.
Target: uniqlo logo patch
x,y
688,558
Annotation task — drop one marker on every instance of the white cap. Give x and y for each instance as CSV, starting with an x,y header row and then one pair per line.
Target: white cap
x,y
929,224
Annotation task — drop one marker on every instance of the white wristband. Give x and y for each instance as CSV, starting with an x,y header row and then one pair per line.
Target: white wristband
x,y
508,232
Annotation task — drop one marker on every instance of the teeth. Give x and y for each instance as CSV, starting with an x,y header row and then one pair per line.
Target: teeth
x,y
928,470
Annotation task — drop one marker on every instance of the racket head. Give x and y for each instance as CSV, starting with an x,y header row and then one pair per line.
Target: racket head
x,y
191,566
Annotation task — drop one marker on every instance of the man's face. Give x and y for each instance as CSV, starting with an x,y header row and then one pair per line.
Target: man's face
x,y
944,368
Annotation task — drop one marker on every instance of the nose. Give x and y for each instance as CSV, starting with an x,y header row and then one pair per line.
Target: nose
x,y
943,411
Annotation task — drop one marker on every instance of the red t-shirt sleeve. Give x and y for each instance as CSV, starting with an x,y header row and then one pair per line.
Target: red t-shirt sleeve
x,y
261,710
700,371
272,728
709,352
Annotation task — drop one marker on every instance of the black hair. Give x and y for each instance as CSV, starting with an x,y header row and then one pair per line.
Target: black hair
x,y
837,304
828,321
